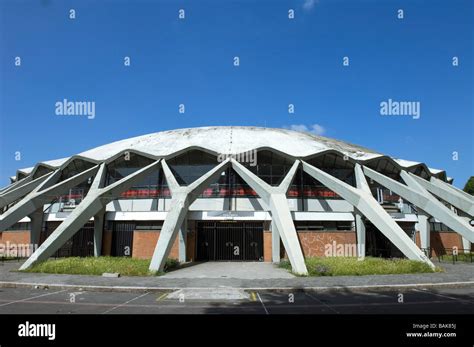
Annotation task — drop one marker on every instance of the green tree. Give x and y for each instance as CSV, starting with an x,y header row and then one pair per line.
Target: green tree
x,y
469,187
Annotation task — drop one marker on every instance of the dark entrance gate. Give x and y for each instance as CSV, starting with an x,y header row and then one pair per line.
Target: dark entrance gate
x,y
234,241
378,245
122,239
80,245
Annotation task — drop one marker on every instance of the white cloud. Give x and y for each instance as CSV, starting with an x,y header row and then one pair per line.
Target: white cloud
x,y
309,4
315,129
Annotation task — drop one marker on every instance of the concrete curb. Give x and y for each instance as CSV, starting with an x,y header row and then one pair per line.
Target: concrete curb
x,y
138,289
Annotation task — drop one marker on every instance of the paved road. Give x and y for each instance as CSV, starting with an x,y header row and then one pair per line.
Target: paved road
x,y
441,301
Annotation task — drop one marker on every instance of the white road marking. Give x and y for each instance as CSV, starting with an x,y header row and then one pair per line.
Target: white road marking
x,y
443,296
261,301
33,297
125,303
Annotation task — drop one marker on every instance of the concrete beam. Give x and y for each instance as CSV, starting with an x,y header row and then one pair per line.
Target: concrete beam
x,y
283,221
275,199
361,183
99,219
275,244
16,184
423,227
364,202
95,201
443,185
466,244
447,193
183,238
361,235
75,221
44,193
421,198
181,199
19,192
36,226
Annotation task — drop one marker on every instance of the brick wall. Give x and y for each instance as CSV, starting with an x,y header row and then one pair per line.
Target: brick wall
x,y
440,240
144,243
267,246
16,243
313,242
17,236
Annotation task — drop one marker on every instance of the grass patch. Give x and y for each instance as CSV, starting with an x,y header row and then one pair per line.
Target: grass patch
x,y
351,266
126,266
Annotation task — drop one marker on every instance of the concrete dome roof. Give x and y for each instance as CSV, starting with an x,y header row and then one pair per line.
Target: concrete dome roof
x,y
227,140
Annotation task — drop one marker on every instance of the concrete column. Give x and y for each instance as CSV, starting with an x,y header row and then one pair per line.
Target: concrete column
x,y
448,193
183,238
99,219
275,200
36,226
421,198
275,244
360,230
466,244
363,201
423,227
181,199
42,195
7,197
94,202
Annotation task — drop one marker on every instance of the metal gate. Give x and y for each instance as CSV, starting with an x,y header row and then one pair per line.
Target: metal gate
x,y
80,245
237,241
122,239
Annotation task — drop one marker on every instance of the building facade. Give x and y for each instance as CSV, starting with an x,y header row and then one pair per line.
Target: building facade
x,y
234,194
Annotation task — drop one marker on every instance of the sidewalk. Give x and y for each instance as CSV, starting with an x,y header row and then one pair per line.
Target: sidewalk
x,y
461,274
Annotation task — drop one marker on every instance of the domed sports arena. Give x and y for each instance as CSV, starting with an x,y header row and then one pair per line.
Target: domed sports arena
x,y
234,194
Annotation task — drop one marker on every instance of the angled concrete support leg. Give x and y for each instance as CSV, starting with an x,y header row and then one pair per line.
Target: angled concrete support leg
x,y
76,220
181,199
275,244
12,195
421,198
43,194
447,193
360,230
99,219
183,232
275,199
18,184
364,202
174,219
446,186
94,202
36,226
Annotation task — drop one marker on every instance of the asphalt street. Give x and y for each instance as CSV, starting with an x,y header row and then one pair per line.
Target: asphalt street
x,y
413,301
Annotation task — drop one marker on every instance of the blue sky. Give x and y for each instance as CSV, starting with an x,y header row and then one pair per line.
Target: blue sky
x,y
282,61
